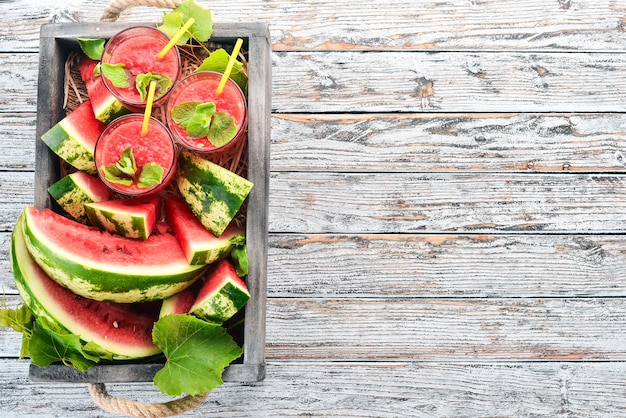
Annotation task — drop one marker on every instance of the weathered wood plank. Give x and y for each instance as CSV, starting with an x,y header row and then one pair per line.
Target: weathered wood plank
x,y
361,389
448,82
422,82
410,142
409,202
442,329
325,24
17,141
448,142
379,266
446,202
408,266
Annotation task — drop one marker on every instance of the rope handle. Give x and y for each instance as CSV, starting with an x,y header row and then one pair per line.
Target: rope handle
x,y
98,391
116,7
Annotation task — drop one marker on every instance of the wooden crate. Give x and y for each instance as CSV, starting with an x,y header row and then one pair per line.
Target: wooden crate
x,y
57,42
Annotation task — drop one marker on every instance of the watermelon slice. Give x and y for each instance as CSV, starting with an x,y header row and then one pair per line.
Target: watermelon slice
x,y
199,245
105,106
103,266
131,218
125,330
180,303
74,137
223,294
75,190
214,193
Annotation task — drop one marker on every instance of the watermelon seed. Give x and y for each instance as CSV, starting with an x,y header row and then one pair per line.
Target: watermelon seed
x,y
115,324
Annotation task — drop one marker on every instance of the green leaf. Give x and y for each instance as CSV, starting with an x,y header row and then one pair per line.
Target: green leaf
x,y
19,319
218,60
239,254
151,174
92,47
123,171
201,30
197,353
183,112
116,73
200,122
96,70
143,81
222,129
47,347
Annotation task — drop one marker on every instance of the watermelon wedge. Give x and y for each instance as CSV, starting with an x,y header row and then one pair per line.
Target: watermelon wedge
x,y
214,193
180,303
102,266
74,137
223,294
125,330
131,218
199,245
75,190
105,106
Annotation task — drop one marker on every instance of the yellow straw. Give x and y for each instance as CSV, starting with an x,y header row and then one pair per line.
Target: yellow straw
x,y
148,112
229,66
175,38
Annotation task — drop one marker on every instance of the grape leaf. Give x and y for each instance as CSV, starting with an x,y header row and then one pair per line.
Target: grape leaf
x,y
151,174
92,47
117,74
201,30
197,353
20,320
218,60
47,347
143,81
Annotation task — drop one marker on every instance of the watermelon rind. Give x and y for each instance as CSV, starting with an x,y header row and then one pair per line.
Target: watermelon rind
x,y
74,190
199,245
213,192
131,218
105,106
58,307
223,294
103,266
74,138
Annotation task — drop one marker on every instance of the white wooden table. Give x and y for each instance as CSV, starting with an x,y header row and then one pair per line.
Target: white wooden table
x,y
447,208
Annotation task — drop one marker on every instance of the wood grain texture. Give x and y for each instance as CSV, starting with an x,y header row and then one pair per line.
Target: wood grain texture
x,y
425,142
441,329
376,390
360,82
383,24
446,202
17,141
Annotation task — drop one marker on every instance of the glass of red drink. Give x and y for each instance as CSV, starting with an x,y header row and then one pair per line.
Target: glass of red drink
x,y
137,49
201,87
155,148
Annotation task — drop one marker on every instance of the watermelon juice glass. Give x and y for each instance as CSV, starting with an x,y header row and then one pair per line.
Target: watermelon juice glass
x,y
157,147
201,87
137,49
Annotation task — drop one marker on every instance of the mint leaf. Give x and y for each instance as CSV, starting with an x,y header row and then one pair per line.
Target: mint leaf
x,y
47,347
200,122
201,30
117,74
151,174
222,129
218,60
92,47
183,112
123,171
96,70
143,81
197,353
239,255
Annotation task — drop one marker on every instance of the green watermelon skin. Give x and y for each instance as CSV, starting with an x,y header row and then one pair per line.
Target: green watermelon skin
x,y
75,190
213,193
105,106
123,330
74,137
130,218
103,266
199,245
222,295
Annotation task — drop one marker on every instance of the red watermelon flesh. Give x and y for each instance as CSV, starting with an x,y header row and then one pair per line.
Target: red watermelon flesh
x,y
180,303
105,106
122,329
129,217
199,245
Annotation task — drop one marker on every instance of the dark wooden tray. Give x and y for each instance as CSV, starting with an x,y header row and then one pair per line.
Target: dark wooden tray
x,y
57,42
